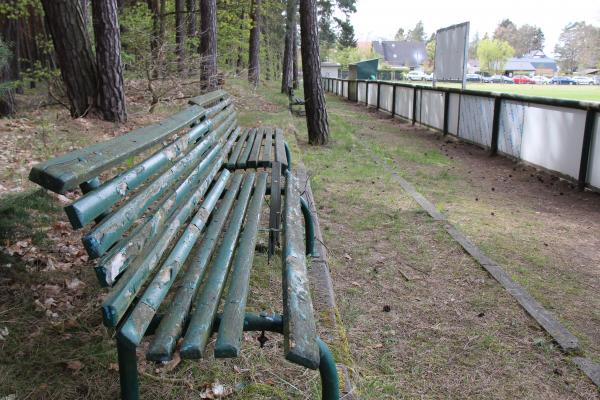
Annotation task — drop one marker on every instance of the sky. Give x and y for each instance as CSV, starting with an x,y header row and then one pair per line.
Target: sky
x,y
380,19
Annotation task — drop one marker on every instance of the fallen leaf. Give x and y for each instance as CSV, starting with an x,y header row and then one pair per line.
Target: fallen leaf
x,y
215,390
75,365
347,257
75,284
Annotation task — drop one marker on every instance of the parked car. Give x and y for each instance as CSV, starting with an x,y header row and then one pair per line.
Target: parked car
x,y
501,79
583,80
540,80
597,80
429,77
486,79
522,79
416,76
474,78
562,80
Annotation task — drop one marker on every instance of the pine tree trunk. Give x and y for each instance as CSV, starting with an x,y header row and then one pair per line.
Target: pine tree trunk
x,y
253,56
85,11
7,90
267,58
73,52
316,111
191,18
180,34
295,81
239,65
287,69
154,8
208,46
111,96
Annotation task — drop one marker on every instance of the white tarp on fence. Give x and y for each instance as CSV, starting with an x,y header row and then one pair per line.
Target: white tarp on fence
x,y
432,109
385,98
476,117
594,166
404,102
450,52
372,94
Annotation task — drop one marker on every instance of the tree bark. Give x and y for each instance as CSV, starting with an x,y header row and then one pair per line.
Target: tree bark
x,y
191,18
253,56
287,70
239,65
295,81
316,111
85,11
73,52
111,96
154,8
208,46
180,34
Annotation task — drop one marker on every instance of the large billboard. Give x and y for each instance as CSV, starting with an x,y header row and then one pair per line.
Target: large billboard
x,y
451,50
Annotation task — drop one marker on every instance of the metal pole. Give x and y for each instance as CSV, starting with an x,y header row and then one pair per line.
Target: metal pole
x,y
367,93
414,108
394,101
586,148
446,109
328,371
128,373
378,94
309,225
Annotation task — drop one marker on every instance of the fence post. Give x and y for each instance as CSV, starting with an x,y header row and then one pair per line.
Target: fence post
x,y
414,110
367,93
446,109
586,147
378,94
393,100
496,126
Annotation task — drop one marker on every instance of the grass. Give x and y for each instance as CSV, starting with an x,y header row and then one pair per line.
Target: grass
x,y
571,92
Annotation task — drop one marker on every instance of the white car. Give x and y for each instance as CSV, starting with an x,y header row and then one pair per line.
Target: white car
x,y
540,80
416,76
583,80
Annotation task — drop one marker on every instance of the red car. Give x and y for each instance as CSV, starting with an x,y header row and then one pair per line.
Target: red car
x,y
523,79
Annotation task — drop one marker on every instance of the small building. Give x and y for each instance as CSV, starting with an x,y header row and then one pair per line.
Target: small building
x,y
366,69
330,69
535,62
401,54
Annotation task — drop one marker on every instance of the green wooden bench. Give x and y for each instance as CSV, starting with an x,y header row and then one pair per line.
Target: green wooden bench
x,y
296,101
177,217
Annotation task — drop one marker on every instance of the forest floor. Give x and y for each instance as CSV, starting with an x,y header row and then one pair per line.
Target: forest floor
x,y
421,318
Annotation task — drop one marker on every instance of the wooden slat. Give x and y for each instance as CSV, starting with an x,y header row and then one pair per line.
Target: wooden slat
x,y
243,159
68,171
255,152
235,154
280,155
299,328
209,98
265,159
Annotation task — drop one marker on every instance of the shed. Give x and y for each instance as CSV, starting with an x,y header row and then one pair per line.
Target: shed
x,y
366,69
330,69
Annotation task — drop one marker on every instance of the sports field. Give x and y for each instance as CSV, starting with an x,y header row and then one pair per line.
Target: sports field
x,y
577,92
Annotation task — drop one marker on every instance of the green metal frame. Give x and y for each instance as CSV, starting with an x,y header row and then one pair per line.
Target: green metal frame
x,y
330,387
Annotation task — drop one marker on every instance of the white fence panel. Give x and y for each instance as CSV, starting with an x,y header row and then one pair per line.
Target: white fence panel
x,y
510,129
404,102
373,94
345,89
432,109
385,98
453,107
476,117
362,92
339,88
594,164
553,137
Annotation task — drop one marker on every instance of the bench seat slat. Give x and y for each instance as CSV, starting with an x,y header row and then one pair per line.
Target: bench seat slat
x,y
195,162
232,321
254,153
265,160
200,327
139,319
130,247
300,335
280,155
243,159
208,98
237,149
171,326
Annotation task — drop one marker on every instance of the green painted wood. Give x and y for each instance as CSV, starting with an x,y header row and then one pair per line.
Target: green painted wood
x,y
265,159
237,149
131,246
300,335
243,159
119,299
110,230
255,152
68,171
139,319
280,155
171,327
208,98
229,339
200,327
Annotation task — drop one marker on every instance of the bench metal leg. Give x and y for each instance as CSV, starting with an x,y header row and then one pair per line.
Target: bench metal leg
x,y
330,383
128,373
309,227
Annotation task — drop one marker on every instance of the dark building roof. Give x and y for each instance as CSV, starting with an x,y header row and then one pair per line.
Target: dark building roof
x,y
401,54
537,59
